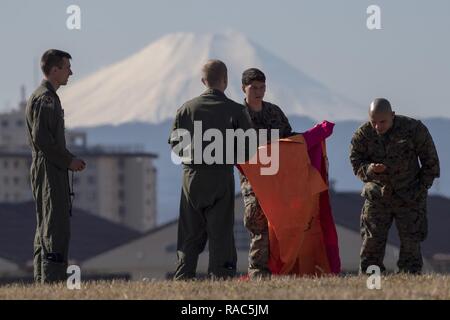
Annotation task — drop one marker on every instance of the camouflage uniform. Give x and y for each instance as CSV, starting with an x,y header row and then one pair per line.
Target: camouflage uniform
x,y
270,117
399,193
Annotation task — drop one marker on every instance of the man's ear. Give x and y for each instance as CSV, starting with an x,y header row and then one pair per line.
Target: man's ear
x,y
243,88
52,70
393,114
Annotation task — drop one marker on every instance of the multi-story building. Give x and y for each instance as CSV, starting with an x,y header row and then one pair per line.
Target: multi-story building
x,y
12,127
119,184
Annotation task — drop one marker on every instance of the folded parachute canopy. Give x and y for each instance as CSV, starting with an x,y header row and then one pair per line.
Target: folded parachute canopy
x,y
295,200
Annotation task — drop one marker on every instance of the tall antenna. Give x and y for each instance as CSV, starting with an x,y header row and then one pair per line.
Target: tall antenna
x,y
23,98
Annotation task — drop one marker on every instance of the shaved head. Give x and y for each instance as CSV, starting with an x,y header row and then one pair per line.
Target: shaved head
x,y
381,115
380,105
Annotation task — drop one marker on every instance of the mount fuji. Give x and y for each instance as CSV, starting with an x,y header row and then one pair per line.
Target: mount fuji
x,y
152,84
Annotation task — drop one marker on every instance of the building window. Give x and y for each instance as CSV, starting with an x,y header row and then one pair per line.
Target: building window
x,y
16,164
6,180
122,211
121,195
121,163
20,123
5,164
91,180
5,123
16,180
121,179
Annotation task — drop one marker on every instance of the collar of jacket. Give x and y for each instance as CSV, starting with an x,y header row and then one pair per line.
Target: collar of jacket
x,y
395,126
48,85
214,92
264,104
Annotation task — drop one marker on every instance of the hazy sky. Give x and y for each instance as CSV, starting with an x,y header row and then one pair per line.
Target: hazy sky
x,y
408,61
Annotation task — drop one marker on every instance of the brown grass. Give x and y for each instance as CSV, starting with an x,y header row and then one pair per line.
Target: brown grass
x,y
432,286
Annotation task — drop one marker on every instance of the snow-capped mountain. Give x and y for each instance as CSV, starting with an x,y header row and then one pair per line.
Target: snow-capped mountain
x,y
152,84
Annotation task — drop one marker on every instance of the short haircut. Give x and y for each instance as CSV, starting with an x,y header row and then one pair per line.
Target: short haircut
x,y
53,58
380,105
252,74
214,71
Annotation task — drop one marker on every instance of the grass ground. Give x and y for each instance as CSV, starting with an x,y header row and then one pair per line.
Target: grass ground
x,y
431,286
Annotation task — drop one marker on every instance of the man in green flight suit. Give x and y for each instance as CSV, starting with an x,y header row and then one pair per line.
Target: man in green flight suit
x,y
207,196
49,169
385,154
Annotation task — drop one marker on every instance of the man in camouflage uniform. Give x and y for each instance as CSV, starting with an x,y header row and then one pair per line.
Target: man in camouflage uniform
x,y
268,116
385,154
49,170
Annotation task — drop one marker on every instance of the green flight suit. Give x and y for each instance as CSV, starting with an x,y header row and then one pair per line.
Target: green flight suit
x,y
49,183
207,197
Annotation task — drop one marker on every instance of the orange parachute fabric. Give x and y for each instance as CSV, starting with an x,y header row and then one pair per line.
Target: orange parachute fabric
x,y
291,200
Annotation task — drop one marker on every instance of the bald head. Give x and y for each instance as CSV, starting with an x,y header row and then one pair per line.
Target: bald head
x,y
380,105
381,115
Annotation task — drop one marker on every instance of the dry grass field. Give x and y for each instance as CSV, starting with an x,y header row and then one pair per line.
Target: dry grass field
x,y
432,286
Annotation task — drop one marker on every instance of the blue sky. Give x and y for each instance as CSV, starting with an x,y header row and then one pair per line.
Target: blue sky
x,y
407,61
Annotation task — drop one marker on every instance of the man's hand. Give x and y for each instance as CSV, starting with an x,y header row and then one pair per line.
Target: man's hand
x,y
377,167
77,165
